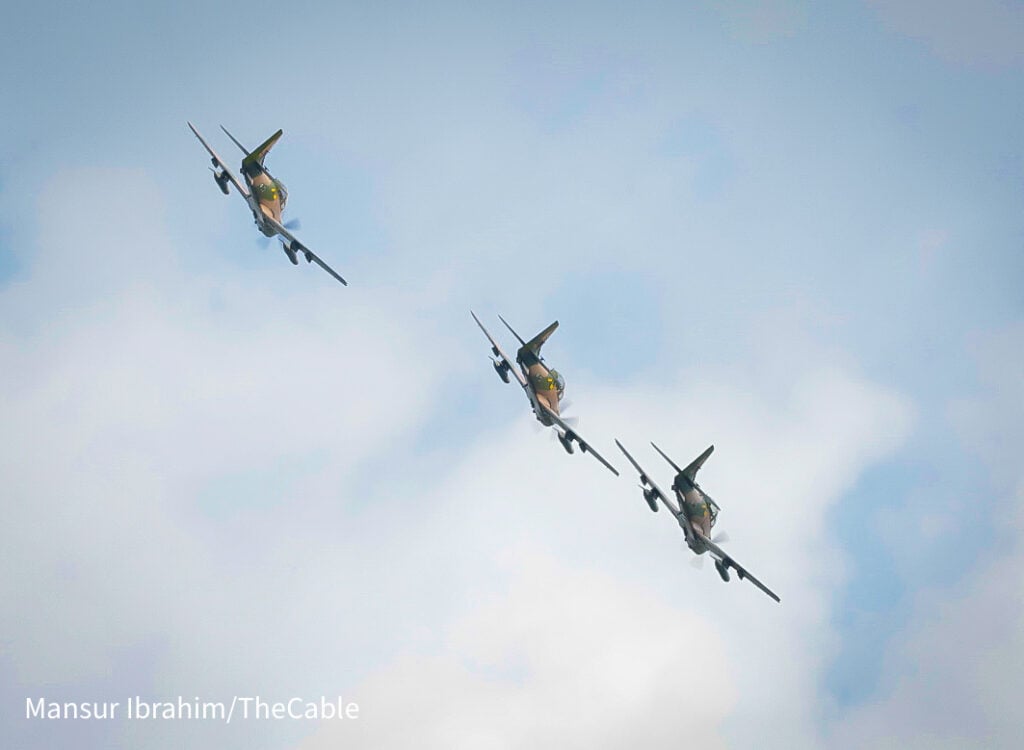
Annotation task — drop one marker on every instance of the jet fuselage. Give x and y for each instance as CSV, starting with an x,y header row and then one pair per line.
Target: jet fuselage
x,y
547,387
695,512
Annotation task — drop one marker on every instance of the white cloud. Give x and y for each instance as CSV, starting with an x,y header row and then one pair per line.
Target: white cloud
x,y
578,620
952,676
146,421
219,464
565,657
125,413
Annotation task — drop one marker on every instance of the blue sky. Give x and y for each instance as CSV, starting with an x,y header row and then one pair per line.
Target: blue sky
x,y
790,230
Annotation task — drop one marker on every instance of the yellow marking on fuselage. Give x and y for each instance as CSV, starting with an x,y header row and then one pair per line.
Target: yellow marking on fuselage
x,y
271,207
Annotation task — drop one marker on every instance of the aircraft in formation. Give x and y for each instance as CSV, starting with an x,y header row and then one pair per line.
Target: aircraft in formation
x,y
544,386
265,195
695,512
693,509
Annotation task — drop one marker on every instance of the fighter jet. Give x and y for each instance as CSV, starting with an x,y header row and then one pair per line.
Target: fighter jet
x,y
544,386
695,512
265,196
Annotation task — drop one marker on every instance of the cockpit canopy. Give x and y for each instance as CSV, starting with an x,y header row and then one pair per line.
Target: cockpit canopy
x,y
559,380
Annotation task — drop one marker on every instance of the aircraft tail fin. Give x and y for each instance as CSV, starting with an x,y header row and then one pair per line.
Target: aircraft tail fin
x,y
260,152
533,345
691,470
537,341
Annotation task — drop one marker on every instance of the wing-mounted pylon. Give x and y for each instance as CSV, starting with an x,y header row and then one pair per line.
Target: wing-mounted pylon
x,y
569,434
724,561
221,172
500,361
652,492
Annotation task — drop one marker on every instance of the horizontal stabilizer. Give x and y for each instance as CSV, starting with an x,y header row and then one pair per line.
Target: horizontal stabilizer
x,y
235,140
513,330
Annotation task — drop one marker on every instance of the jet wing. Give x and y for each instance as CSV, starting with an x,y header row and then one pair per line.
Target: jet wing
x,y
218,162
645,479
742,572
510,363
584,445
298,247
312,257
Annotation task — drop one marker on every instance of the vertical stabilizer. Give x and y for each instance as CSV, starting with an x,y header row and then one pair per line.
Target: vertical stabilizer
x,y
537,341
260,152
691,470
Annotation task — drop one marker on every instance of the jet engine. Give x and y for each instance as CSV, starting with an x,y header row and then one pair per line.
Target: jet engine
x,y
723,570
652,499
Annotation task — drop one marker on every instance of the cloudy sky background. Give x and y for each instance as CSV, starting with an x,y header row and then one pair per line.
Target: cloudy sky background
x,y
791,231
